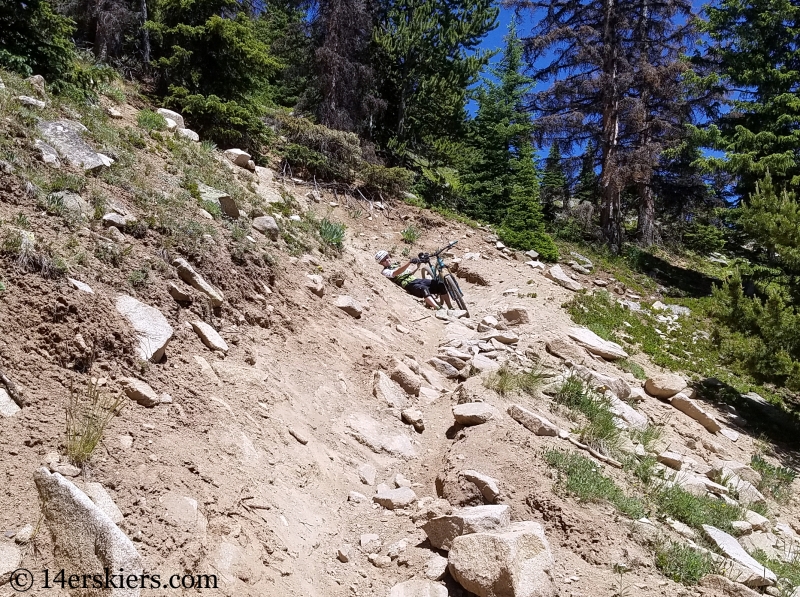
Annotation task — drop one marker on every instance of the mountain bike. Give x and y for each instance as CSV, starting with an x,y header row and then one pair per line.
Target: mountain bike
x,y
440,272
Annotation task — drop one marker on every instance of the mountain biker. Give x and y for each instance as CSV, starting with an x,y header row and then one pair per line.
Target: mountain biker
x,y
424,289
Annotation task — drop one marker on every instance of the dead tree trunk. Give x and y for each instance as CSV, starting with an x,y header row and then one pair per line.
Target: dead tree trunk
x,y
646,228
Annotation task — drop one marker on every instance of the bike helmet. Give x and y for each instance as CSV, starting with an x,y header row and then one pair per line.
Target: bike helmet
x,y
381,255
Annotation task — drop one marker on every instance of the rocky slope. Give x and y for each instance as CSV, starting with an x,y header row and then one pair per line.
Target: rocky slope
x,y
293,423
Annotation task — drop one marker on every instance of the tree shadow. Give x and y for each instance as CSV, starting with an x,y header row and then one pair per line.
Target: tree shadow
x,y
686,282
757,418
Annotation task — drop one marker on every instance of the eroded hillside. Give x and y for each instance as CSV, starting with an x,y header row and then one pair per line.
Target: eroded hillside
x,y
285,418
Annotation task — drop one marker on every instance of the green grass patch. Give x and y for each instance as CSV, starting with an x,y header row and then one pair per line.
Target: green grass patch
x,y
776,481
696,511
151,121
506,381
600,430
683,564
581,477
410,234
788,573
635,368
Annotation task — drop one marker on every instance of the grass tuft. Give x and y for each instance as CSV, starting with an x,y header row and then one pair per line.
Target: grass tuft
x,y
151,121
776,481
410,234
506,382
694,510
682,563
600,431
88,413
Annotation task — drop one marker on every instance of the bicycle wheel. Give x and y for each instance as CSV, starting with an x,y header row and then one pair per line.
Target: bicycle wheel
x,y
455,293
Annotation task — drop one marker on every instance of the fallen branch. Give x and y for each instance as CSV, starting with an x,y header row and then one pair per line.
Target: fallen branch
x,y
12,389
594,453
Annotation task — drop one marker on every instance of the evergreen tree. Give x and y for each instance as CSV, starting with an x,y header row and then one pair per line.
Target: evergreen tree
x,y
501,128
587,188
344,73
210,63
555,189
35,40
428,55
523,225
757,53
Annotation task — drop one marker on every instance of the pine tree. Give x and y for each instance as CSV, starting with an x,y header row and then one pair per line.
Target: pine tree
x,y
499,131
523,226
757,53
35,40
587,188
344,72
210,66
429,57
555,190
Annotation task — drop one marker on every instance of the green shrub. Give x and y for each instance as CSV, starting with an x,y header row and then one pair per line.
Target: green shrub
x,y
392,181
139,278
683,564
580,477
703,238
601,431
151,121
323,152
36,40
332,233
410,234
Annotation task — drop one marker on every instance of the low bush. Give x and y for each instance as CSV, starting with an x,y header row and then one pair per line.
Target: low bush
x,y
682,563
151,121
332,233
391,181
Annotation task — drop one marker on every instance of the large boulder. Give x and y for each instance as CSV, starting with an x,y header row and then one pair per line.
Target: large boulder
x,y
557,275
238,157
187,273
442,530
512,562
152,328
65,137
596,345
664,385
84,536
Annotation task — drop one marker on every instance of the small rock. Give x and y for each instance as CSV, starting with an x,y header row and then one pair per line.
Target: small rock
x,y
672,459
379,561
300,437
596,345
531,421
368,539
172,116
237,156
23,536
8,408
343,553
558,276
413,417
267,226
435,567
187,134
690,408
366,472
32,102
355,497
209,336
78,285
349,305
139,391
178,293
664,385
118,221
395,498
315,284
473,413
187,273
443,367
113,112
485,484
731,548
